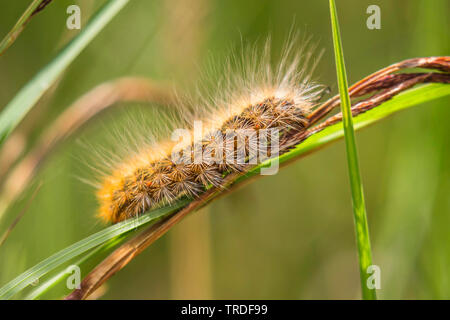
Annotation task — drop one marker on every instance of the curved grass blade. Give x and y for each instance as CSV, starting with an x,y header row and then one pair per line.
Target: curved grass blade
x,y
359,207
33,8
78,248
29,95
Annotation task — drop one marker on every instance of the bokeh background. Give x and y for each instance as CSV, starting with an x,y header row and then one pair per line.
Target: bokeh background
x,y
288,236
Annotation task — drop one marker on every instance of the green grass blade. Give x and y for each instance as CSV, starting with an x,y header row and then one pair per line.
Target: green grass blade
x,y
78,248
359,209
60,276
12,35
50,283
28,96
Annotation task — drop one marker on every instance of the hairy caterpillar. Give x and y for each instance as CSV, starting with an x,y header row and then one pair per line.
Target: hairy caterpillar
x,y
255,98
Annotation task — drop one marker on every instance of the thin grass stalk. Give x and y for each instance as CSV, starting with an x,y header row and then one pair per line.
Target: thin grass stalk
x,y
35,7
359,208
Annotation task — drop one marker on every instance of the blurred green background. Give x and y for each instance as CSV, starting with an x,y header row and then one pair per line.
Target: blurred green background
x,y
287,236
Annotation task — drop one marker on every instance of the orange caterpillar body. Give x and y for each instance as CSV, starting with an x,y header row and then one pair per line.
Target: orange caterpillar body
x,y
266,99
